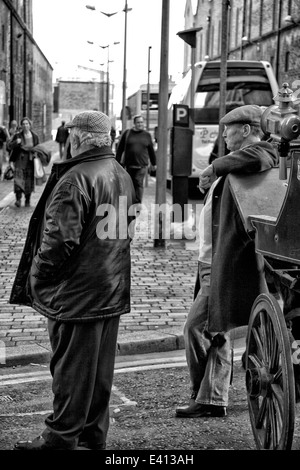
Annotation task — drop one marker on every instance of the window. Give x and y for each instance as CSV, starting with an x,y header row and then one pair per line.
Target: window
x,y
153,101
244,86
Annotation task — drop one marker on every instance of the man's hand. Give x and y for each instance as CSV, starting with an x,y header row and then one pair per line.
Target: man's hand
x,y
207,177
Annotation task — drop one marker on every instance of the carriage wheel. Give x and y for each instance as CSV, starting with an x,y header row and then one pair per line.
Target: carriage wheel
x,y
269,376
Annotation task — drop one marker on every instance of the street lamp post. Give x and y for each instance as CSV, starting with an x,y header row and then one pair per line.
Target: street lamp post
x,y
107,80
12,81
148,91
124,72
107,107
124,85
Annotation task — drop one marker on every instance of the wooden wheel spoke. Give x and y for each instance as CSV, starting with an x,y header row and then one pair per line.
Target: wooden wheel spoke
x,y
278,376
256,361
263,334
273,423
259,344
261,414
278,395
267,435
275,354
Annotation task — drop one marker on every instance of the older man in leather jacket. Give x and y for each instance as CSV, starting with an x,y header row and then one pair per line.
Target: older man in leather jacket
x,y
75,270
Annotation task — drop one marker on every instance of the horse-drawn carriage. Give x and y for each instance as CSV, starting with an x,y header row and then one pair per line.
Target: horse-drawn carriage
x,y
269,204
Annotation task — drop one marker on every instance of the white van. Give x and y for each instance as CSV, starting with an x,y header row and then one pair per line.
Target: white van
x,y
248,82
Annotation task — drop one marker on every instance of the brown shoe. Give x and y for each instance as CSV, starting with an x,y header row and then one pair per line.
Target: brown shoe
x,y
197,410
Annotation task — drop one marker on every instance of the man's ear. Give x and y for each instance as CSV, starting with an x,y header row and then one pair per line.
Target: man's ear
x,y
246,130
74,141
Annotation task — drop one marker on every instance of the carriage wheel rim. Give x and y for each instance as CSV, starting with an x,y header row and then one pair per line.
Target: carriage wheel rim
x,y
270,393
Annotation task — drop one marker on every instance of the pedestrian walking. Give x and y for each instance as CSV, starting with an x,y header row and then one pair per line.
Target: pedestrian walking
x,y
229,274
136,143
21,156
4,138
13,128
62,135
75,270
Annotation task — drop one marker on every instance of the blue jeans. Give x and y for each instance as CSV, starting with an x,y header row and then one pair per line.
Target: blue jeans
x,y
209,360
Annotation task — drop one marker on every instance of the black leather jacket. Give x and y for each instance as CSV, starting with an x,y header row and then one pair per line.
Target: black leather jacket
x,y
75,264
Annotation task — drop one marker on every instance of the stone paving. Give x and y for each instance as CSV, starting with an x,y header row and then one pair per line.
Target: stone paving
x,y
162,280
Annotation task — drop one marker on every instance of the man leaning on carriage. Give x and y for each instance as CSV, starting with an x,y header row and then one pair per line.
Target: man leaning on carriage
x,y
229,274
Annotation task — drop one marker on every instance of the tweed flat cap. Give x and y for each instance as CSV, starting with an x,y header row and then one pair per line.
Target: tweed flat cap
x,y
91,121
248,114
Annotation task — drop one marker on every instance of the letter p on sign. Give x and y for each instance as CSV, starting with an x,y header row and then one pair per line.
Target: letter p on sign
x,y
181,115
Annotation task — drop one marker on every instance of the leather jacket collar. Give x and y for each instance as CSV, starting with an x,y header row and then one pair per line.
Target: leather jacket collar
x,y
60,168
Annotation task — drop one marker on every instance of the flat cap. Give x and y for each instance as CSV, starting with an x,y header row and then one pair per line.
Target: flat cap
x,y
248,114
91,121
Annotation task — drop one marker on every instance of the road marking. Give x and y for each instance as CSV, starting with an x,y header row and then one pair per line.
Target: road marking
x,y
142,365
125,367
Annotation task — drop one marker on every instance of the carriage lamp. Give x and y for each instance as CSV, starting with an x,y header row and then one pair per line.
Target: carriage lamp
x,y
282,123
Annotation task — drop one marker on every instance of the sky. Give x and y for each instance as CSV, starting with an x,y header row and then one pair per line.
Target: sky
x,y
62,29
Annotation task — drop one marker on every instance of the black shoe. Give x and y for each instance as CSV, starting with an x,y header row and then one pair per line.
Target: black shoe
x,y
38,443
27,203
91,446
197,410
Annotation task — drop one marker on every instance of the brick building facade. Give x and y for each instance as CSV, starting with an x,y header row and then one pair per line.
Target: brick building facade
x,y
74,96
257,30
25,73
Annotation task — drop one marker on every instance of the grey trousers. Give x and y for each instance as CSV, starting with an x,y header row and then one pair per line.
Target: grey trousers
x,y
82,368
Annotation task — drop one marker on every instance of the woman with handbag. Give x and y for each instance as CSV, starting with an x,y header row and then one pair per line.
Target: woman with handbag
x,y
22,156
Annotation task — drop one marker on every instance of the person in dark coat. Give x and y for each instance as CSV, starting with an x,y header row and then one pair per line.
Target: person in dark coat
x,y
62,135
229,273
136,143
21,156
4,138
75,270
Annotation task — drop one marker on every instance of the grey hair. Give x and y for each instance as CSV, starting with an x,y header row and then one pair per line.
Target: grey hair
x,y
80,137
256,130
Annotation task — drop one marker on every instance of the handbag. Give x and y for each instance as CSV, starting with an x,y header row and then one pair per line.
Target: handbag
x,y
8,173
39,172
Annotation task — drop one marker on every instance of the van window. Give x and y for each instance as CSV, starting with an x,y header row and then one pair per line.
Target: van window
x,y
246,86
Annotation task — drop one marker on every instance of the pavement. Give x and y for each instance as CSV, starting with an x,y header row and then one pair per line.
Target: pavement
x,y
162,282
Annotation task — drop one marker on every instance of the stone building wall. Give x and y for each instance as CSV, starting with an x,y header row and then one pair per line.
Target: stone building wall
x,y
25,73
267,35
